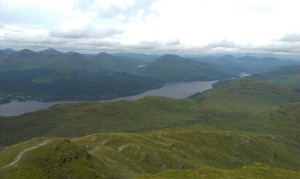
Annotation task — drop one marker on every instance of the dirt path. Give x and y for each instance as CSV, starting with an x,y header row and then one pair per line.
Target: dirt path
x,y
20,155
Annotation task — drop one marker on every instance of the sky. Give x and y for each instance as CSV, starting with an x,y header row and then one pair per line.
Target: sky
x,y
166,26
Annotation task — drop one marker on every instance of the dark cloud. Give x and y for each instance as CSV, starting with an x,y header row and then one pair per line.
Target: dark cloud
x,y
86,32
295,37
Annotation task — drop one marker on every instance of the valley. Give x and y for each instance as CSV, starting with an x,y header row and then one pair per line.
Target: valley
x,y
171,90
246,127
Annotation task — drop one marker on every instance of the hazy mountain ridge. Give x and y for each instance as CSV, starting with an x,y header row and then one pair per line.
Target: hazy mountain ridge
x,y
248,64
287,76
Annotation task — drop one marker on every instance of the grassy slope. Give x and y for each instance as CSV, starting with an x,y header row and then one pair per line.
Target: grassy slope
x,y
58,159
256,171
86,118
253,106
123,155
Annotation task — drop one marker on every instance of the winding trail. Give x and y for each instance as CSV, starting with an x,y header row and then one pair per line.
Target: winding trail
x,y
20,155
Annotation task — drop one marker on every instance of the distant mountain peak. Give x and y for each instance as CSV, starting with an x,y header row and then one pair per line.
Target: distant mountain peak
x,y
103,54
72,53
228,56
170,56
51,51
26,52
9,51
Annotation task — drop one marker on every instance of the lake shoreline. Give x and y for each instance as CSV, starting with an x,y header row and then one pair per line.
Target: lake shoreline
x,y
171,90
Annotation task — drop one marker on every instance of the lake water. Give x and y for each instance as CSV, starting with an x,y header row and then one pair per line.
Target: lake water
x,y
171,90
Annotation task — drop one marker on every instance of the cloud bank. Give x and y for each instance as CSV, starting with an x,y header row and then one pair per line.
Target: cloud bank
x,y
189,26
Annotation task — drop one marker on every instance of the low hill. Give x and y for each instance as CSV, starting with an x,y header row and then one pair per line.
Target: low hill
x,y
172,68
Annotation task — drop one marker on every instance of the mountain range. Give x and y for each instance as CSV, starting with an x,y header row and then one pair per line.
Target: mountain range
x,y
51,75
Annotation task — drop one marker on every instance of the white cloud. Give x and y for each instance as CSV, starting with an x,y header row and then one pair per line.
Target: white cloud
x,y
223,44
295,37
76,30
267,26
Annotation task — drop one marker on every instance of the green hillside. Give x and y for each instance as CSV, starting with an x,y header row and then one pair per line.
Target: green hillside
x,y
249,105
91,117
125,155
58,159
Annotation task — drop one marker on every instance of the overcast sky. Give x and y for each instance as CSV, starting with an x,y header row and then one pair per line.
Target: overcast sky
x,y
176,26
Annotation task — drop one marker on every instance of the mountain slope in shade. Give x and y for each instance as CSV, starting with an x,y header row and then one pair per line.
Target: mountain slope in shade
x,y
54,85
6,52
27,60
174,68
139,56
116,63
50,52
